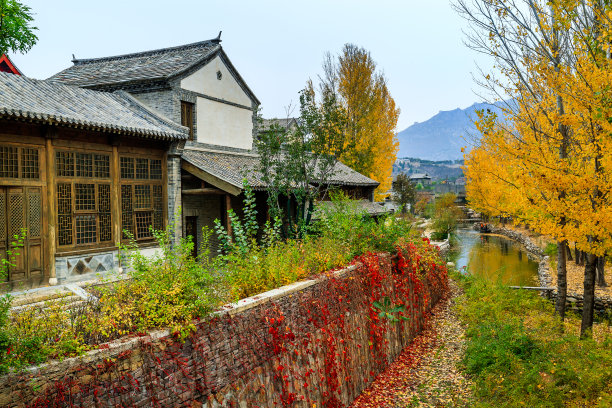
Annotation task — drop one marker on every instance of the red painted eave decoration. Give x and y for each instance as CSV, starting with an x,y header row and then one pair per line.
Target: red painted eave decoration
x,y
6,65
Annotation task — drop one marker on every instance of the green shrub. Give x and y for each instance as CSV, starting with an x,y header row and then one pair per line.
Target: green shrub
x,y
36,334
340,233
342,221
497,346
551,249
439,236
283,263
517,355
169,289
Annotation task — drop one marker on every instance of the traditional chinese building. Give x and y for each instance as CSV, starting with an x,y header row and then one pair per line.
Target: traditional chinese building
x,y
77,167
124,143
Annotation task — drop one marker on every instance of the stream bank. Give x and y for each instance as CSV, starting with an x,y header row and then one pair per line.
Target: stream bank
x,y
546,276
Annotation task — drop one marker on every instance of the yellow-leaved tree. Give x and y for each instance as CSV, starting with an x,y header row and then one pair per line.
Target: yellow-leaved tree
x,y
549,164
366,128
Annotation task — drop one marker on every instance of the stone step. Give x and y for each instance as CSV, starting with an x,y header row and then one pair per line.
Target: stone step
x,y
28,297
69,301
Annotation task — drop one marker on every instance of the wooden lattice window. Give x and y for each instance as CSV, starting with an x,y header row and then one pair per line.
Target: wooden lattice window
x,y
83,199
140,168
142,204
82,165
29,163
187,117
19,162
83,214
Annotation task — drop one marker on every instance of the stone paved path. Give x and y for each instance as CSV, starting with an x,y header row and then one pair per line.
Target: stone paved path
x,y
426,373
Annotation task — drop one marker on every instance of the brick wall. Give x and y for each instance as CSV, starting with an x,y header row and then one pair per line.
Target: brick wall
x,y
304,344
163,102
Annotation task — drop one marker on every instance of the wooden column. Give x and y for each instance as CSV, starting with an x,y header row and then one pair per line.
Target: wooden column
x,y
50,134
116,192
228,207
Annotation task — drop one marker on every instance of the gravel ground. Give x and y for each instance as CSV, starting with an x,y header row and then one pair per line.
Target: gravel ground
x,y
426,373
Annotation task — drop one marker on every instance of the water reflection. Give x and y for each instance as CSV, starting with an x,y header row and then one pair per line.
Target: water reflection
x,y
494,257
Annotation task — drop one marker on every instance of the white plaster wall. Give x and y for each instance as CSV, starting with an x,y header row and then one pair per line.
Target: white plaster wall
x,y
223,124
205,81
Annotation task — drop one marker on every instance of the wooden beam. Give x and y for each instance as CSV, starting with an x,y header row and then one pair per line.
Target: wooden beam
x,y
210,179
200,191
51,212
115,194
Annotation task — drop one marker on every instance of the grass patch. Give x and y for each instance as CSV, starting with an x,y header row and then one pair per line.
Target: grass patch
x,y
517,355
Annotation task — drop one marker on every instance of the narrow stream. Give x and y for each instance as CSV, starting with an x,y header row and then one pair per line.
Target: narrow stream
x,y
495,257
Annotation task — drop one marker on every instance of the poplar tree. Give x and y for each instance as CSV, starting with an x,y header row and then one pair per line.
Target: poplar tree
x,y
366,140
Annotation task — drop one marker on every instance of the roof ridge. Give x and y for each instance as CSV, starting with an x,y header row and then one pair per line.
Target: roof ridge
x,y
146,53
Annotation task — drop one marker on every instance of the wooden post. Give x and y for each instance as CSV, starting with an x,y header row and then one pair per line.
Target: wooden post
x,y
51,206
228,207
116,192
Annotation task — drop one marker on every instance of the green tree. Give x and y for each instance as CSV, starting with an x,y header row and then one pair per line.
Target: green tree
x,y
296,164
446,215
16,31
404,192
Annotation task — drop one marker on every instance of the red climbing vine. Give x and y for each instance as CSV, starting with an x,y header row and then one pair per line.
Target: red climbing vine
x,y
322,344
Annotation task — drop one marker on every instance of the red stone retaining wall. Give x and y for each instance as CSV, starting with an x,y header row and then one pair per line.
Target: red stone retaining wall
x,y
315,342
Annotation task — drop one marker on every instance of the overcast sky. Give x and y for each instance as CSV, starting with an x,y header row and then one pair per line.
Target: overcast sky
x,y
275,45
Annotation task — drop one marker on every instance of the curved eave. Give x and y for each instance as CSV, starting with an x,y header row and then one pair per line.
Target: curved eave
x,y
80,124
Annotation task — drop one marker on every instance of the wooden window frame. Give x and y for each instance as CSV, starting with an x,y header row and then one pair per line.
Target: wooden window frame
x,y
73,181
187,117
22,156
130,215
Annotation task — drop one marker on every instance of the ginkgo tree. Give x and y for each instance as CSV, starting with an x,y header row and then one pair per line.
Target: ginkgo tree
x,y
550,163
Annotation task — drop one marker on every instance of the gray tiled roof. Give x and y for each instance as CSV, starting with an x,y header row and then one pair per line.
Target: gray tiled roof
x,y
232,167
141,66
419,176
370,207
286,123
46,102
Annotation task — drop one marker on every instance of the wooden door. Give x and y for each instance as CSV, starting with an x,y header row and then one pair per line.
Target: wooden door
x,y
21,233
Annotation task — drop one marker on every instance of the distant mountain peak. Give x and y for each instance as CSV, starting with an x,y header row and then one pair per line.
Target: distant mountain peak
x,y
442,136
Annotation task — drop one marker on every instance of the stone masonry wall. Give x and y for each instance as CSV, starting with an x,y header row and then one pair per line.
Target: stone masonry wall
x,y
313,343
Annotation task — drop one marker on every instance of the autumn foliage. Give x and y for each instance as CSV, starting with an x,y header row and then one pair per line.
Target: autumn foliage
x,y
548,162
360,113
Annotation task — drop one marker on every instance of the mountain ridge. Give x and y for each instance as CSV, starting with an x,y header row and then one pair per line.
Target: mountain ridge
x,y
442,136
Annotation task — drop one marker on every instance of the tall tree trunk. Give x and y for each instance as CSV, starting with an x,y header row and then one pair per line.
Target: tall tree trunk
x,y
569,253
563,154
589,296
561,279
601,266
